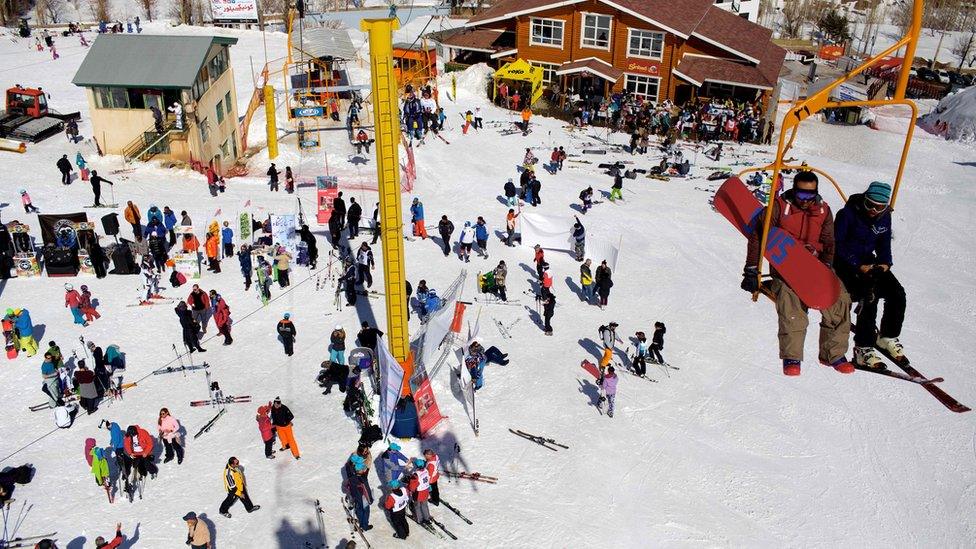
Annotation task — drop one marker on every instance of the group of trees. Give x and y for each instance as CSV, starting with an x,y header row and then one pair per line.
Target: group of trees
x,y
53,11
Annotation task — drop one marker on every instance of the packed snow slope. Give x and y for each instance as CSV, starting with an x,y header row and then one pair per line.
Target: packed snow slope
x,y
725,451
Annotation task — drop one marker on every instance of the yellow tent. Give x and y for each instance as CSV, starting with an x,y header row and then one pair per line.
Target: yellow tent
x,y
520,70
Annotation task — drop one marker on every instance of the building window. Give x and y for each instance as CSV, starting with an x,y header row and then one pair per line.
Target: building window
x,y
546,32
227,104
646,44
225,149
548,71
596,31
643,86
220,112
204,130
233,143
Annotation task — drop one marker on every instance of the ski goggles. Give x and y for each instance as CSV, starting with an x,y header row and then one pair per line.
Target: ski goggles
x,y
874,207
804,195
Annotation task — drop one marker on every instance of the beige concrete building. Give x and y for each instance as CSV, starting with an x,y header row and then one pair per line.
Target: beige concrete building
x,y
168,97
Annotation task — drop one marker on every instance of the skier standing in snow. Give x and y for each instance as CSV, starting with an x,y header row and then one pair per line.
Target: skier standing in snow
x,y
50,377
863,263
396,502
539,259
267,430
609,385
190,328
348,282
364,264
244,258
657,342
72,300
417,218
446,229
803,214
432,464
287,332
169,433
199,303
616,190
359,492
419,487
138,447
281,418
236,486
604,282
221,316
466,241
548,309
640,357
608,336
481,236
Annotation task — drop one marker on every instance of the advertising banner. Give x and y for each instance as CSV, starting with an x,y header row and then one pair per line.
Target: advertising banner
x,y
235,11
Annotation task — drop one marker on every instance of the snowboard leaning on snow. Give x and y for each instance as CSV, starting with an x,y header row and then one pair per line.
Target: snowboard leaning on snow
x,y
814,283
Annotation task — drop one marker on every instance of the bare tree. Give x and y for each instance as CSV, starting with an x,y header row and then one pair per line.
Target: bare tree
x,y
201,9
794,16
182,10
901,16
99,9
52,10
148,6
964,49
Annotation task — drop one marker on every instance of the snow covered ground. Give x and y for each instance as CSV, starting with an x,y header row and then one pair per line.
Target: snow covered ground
x,y
725,451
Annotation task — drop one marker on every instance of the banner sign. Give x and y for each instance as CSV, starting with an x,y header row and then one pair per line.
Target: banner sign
x,y
244,226
304,112
188,264
236,11
60,229
423,397
391,381
283,233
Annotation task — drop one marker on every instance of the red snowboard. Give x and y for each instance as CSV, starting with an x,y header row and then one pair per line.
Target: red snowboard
x,y
591,368
89,444
814,283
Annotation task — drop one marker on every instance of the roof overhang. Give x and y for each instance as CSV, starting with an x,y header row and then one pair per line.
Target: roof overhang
x,y
724,47
503,53
522,12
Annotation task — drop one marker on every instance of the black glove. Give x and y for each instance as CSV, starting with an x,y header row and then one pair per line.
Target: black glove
x,y
750,280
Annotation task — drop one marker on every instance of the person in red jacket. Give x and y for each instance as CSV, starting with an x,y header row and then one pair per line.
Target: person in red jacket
x,y
540,259
419,486
396,502
72,300
267,430
100,542
433,462
139,447
221,316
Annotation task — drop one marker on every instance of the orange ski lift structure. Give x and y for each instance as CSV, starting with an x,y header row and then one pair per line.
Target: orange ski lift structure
x,y
821,100
315,75
415,64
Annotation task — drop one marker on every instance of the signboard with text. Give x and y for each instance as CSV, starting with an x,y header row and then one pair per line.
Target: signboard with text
x,y
235,11
644,67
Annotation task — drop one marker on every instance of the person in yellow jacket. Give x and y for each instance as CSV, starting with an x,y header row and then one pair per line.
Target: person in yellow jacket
x,y
586,280
212,247
236,486
133,217
526,115
99,469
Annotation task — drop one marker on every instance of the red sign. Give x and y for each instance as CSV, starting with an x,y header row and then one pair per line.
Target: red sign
x,y
427,411
646,67
831,52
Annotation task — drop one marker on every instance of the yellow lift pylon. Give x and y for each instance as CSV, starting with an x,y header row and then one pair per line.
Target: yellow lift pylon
x,y
387,127
821,100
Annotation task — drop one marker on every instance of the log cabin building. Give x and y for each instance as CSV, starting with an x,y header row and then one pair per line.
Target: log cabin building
x,y
656,49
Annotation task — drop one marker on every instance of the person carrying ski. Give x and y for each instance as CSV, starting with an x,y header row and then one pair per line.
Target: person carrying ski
x,y
221,316
86,306
604,282
25,199
466,241
417,218
481,236
396,502
190,328
586,281
863,263
197,533
199,303
72,300
287,332
609,385
281,418
510,227
657,342
267,430
500,272
100,542
236,486
169,433
353,216
586,197
579,239
803,214
25,331
419,486
64,166
446,229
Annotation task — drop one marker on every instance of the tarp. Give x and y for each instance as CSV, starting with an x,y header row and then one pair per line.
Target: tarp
x,y
391,381
521,70
555,232
59,229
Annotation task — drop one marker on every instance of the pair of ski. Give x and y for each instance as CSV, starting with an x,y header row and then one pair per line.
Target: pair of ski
x,y
427,526
541,441
220,401
209,425
512,302
468,476
504,330
355,529
27,541
181,368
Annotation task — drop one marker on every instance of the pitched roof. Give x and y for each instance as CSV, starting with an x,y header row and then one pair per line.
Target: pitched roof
x,y
145,61
505,9
592,65
323,42
678,17
698,70
733,34
483,40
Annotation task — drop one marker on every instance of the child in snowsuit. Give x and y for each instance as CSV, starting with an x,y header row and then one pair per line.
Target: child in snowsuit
x,y
267,430
640,359
609,386
86,305
26,200
657,343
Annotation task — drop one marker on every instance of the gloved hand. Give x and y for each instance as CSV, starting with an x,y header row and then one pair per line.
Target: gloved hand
x,y
750,280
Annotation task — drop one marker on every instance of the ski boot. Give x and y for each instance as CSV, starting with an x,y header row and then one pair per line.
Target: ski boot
x,y
841,364
894,348
791,367
867,357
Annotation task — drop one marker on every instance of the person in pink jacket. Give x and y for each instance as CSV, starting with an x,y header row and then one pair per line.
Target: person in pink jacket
x,y
25,199
267,431
72,300
609,387
169,433
221,316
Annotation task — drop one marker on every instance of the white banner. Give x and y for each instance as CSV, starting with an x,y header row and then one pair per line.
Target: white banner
x,y
188,264
234,10
438,325
391,381
283,233
555,232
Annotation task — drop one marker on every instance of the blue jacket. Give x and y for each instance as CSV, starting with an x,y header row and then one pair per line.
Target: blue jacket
x,y
154,213
481,231
47,368
245,259
169,220
24,325
155,229
118,438
417,211
226,235
860,239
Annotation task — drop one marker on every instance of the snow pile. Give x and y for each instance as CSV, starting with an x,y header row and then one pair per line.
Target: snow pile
x,y
892,119
954,117
471,82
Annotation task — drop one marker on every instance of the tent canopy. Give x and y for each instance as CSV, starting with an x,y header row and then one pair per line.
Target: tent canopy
x,y
521,70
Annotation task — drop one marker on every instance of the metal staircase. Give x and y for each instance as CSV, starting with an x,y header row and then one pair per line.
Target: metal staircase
x,y
151,142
